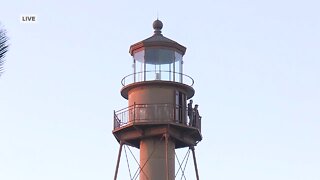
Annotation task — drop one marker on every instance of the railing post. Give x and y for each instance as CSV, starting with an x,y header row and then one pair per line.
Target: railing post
x,y
134,112
115,122
114,119
134,70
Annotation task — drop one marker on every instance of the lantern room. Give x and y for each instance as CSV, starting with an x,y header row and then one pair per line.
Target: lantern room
x,y
157,58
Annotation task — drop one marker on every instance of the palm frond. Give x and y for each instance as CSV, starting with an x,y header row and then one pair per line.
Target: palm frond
x,y
3,47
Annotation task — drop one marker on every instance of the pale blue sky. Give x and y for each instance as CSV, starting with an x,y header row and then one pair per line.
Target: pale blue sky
x,y
256,71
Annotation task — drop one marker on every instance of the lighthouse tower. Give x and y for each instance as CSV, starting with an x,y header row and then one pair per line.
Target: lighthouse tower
x,y
158,118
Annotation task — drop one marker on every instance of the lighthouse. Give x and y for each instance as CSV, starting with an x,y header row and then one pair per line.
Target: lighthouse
x,y
158,119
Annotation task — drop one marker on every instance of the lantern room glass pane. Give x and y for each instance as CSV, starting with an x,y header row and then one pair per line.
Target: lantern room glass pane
x,y
139,66
139,56
159,56
166,73
178,67
157,64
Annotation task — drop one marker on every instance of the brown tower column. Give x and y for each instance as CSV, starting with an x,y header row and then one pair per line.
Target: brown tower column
x,y
157,159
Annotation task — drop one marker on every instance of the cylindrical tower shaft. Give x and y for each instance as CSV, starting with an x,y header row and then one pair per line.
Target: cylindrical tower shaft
x,y
157,159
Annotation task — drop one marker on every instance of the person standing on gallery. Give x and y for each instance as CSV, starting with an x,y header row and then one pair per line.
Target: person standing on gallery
x,y
196,117
190,112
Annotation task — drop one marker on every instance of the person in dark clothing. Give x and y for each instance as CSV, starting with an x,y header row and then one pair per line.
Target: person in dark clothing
x,y
190,112
196,115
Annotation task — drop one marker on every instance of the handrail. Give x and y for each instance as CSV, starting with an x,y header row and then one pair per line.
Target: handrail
x,y
135,104
153,113
157,75
116,120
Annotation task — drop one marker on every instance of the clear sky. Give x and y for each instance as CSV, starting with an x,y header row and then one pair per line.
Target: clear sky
x,y
256,66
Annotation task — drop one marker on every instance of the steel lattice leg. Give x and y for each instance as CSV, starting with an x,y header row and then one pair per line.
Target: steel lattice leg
x,y
118,161
195,162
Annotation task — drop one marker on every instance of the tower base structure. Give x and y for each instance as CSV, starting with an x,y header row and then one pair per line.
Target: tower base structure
x,y
154,163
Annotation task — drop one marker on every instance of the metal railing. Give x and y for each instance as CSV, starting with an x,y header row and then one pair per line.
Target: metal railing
x,y
157,75
153,113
